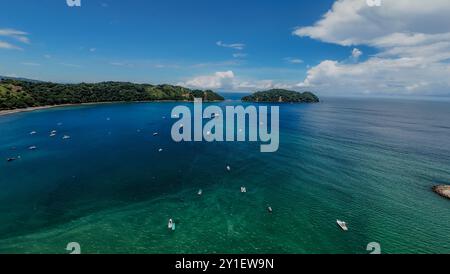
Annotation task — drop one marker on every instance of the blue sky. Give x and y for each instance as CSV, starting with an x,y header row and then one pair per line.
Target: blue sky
x,y
224,45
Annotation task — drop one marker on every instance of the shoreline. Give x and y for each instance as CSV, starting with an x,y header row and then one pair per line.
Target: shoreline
x,y
442,190
30,109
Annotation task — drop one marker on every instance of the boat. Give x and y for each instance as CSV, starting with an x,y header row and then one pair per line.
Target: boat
x,y
32,148
52,134
228,168
342,225
243,189
160,150
66,137
200,192
33,133
173,227
11,159
155,134
269,208
170,225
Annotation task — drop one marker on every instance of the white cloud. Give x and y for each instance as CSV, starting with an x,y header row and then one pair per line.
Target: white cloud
x,y
70,65
6,45
237,46
356,53
227,80
31,64
293,60
219,80
239,55
18,35
413,42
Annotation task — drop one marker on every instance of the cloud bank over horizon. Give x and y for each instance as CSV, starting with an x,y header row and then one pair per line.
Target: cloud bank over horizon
x,y
412,38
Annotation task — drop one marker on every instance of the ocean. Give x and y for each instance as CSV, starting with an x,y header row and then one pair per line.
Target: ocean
x,y
370,162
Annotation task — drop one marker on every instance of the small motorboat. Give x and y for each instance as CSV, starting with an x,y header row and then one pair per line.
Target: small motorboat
x,y
171,225
269,209
243,189
32,148
155,134
11,160
228,168
160,150
33,133
342,225
52,134
65,137
200,192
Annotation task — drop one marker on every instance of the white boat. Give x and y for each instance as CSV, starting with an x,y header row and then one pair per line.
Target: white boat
x,y
200,192
32,148
269,208
155,134
228,168
66,137
243,189
53,132
342,224
33,133
160,150
170,225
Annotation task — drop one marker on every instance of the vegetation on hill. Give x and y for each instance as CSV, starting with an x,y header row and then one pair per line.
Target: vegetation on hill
x,y
22,94
282,96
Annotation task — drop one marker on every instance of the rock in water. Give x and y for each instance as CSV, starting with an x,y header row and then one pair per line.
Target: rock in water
x,y
443,190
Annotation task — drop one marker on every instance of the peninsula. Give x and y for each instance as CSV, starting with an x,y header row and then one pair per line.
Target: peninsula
x,y
19,94
281,96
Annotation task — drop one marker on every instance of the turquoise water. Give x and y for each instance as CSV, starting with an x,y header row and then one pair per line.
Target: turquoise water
x,y
370,162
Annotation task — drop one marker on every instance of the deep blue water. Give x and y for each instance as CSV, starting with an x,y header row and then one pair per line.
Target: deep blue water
x,y
370,162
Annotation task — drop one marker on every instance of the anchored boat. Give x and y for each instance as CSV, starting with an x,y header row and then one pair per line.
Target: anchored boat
x,y
342,225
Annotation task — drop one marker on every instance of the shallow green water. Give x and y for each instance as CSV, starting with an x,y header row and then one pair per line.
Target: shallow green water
x,y
370,162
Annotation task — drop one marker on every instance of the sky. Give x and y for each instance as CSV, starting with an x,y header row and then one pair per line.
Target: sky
x,y
344,47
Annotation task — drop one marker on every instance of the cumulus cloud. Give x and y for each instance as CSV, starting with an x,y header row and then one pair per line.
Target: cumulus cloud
x,y
356,53
238,46
219,80
227,80
413,42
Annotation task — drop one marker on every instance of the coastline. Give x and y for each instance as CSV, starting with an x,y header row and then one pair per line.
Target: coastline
x,y
30,109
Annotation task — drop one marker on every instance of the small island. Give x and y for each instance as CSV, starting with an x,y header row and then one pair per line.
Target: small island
x,y
281,96
23,94
443,190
